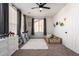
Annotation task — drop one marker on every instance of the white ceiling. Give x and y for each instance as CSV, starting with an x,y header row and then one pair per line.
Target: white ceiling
x,y
26,9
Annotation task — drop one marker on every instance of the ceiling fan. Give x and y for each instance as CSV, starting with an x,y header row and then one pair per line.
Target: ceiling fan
x,y
41,6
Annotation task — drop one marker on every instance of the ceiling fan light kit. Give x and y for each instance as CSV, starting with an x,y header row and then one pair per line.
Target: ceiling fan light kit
x,y
41,6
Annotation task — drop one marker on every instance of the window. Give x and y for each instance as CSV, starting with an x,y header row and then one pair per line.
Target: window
x,y
38,25
12,19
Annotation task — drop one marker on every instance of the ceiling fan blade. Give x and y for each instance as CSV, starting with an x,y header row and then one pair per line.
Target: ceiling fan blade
x,y
46,7
35,7
38,4
44,4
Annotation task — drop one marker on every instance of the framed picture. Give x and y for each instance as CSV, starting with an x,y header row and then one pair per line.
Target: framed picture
x,y
61,24
56,23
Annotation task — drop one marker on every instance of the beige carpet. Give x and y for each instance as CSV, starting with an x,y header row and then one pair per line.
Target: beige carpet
x,y
35,44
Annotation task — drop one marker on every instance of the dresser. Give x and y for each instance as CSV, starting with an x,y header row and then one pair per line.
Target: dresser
x,y
8,45
3,47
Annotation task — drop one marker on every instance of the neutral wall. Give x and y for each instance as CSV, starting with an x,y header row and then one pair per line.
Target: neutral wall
x,y
71,26
49,21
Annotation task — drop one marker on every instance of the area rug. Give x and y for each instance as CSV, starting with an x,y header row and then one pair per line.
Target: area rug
x,y
35,44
